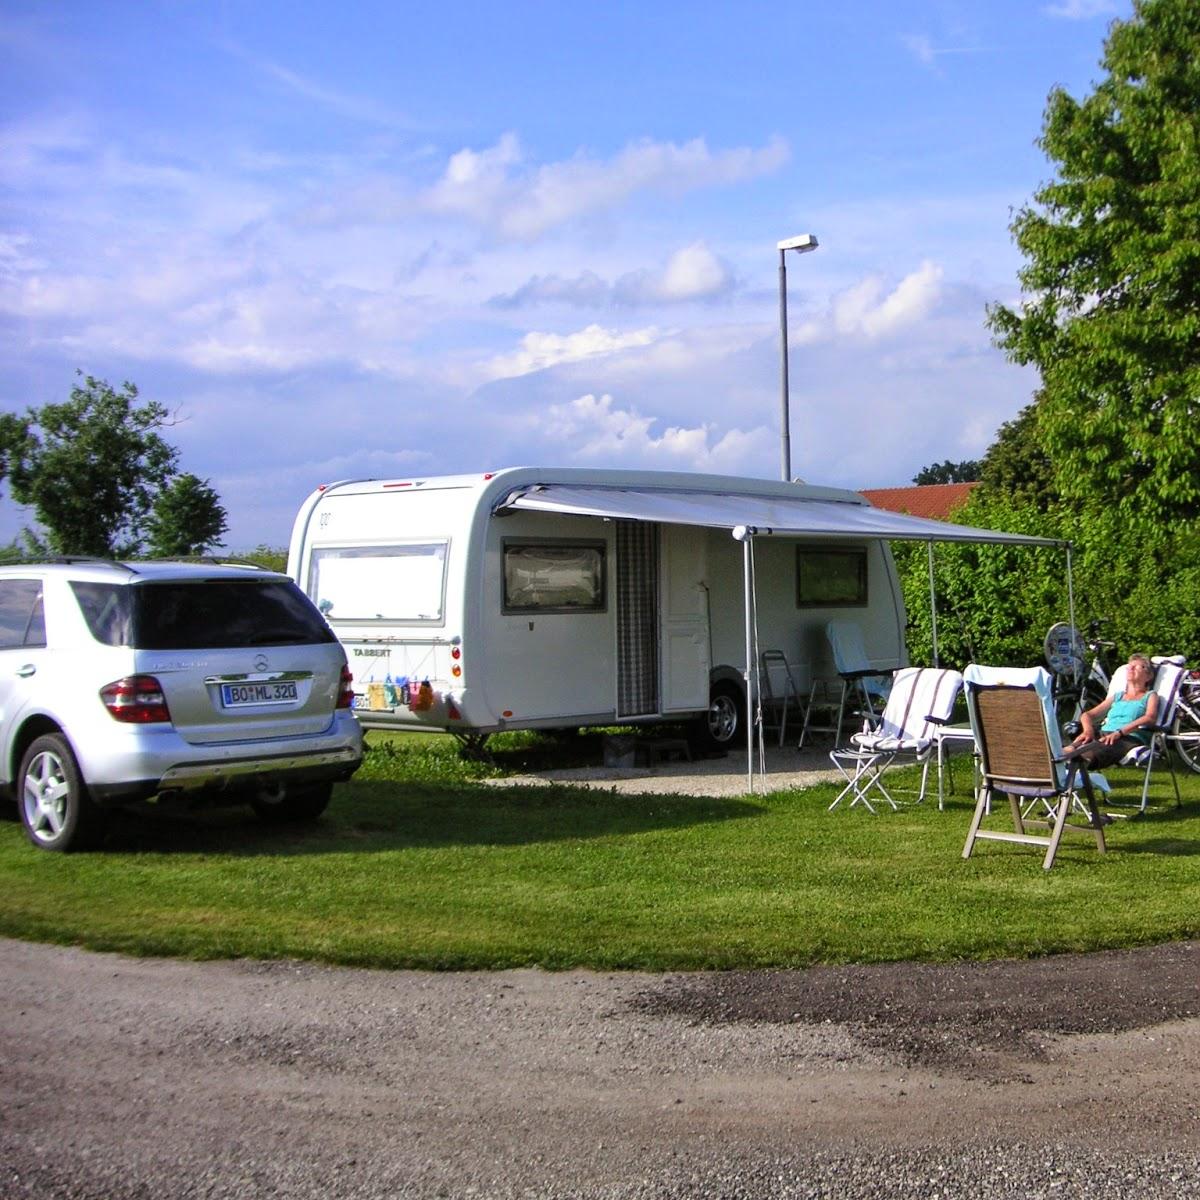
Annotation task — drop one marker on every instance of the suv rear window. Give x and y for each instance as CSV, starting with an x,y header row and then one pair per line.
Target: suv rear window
x,y
201,615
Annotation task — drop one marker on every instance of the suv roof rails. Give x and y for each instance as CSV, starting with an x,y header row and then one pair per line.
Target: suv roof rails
x,y
53,560
215,560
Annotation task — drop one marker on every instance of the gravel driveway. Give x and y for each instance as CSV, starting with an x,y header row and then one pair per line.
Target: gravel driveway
x,y
124,1078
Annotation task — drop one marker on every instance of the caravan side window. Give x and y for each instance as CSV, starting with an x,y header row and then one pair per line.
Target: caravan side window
x,y
831,576
380,583
554,577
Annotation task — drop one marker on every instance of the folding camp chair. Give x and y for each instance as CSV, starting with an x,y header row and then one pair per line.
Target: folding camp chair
x,y
861,680
921,699
1021,755
1167,680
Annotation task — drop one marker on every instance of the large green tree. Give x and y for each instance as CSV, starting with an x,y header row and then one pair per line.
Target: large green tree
x,y
1016,464
966,471
1111,279
95,467
187,519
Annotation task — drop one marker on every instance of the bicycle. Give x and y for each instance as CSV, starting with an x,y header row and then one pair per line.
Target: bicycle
x,y
1185,731
1081,675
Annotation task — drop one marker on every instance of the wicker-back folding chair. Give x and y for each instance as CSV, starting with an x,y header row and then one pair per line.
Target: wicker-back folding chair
x,y
1021,755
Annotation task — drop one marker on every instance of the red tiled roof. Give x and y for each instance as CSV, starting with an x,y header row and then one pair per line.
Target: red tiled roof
x,y
936,500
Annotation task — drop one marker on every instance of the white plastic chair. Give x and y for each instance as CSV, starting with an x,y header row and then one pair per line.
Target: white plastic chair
x,y
921,699
860,677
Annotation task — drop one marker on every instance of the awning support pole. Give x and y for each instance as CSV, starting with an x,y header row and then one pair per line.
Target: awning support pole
x,y
748,587
1070,590
933,606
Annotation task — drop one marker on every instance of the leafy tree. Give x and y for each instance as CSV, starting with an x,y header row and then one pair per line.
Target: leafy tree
x,y
1111,279
92,467
1017,465
187,519
12,437
98,475
995,603
966,471
273,558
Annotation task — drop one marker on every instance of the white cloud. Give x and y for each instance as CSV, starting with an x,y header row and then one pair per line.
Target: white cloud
x,y
542,350
585,290
476,184
868,309
921,47
355,108
489,188
594,429
34,138
693,273
1081,10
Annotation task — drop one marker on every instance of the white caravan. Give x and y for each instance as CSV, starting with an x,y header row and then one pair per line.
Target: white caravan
x,y
543,598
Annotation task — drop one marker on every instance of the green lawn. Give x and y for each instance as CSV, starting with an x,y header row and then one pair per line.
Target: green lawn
x,y
417,864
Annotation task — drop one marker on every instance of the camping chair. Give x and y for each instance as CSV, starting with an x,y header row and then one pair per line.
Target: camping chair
x,y
1167,681
921,699
1021,755
778,691
859,677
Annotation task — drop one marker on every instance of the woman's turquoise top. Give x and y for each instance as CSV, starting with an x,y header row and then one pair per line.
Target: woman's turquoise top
x,y
1124,712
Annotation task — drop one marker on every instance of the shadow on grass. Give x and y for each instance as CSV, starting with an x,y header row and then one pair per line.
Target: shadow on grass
x,y
521,752
372,816
1174,847
1155,831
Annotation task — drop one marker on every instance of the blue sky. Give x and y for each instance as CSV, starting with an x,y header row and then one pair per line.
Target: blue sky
x,y
399,239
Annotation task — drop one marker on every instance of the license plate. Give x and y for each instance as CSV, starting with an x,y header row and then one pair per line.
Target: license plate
x,y
245,695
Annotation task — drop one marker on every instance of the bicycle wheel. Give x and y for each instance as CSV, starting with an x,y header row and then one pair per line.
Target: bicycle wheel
x,y
1066,653
1094,693
1185,733
1066,711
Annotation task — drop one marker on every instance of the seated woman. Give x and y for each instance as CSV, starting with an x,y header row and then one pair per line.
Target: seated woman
x,y
1124,714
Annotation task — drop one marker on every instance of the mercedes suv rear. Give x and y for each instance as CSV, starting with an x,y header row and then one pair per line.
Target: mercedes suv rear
x,y
125,681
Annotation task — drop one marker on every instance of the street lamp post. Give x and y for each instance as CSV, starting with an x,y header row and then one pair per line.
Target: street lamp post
x,y
802,245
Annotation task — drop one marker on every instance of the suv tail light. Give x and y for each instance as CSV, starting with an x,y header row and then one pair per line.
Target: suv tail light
x,y
346,692
136,700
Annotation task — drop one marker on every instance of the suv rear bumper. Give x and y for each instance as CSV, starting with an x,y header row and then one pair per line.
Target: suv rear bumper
x,y
153,760
332,767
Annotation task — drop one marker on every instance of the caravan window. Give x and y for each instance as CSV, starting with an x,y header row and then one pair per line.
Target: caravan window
x,y
553,577
379,583
831,576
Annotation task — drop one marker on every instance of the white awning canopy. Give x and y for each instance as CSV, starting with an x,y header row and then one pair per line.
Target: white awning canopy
x,y
749,515
761,515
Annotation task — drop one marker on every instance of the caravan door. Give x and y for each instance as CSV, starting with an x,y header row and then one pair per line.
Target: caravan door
x,y
683,618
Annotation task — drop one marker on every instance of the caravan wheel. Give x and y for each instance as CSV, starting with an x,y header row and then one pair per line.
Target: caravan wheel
x,y
725,716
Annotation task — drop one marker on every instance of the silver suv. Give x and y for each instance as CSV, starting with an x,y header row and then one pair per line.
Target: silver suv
x,y
125,681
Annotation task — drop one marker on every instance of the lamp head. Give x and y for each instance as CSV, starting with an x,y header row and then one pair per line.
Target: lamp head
x,y
802,244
